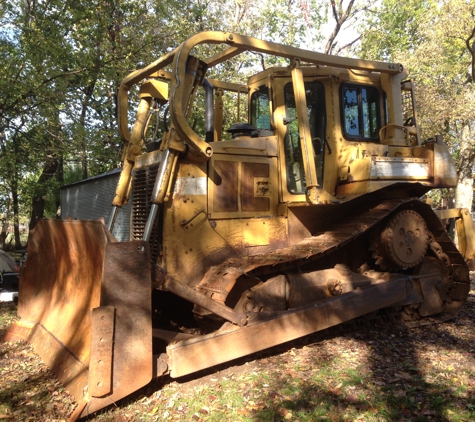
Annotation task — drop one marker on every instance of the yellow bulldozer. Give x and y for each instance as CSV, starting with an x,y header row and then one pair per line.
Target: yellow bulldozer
x,y
301,215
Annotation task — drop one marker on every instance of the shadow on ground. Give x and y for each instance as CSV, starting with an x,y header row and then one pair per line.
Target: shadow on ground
x,y
378,372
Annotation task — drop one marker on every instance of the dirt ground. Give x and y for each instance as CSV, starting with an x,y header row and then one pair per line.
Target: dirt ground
x,y
377,373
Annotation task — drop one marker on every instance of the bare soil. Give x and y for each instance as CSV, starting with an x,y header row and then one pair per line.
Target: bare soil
x,y
376,373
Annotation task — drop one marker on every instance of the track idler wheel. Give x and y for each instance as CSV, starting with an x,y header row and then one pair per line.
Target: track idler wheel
x,y
403,242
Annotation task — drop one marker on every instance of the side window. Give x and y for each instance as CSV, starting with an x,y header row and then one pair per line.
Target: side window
x,y
260,109
407,108
360,112
315,97
386,110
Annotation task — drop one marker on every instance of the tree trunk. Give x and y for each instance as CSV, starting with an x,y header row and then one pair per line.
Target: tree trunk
x,y
6,225
16,212
340,16
82,122
60,178
464,191
50,169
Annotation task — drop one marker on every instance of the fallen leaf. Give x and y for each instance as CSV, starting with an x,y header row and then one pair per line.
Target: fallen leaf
x,y
429,413
404,376
282,411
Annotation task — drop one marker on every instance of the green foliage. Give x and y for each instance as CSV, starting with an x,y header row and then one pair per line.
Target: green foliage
x,y
395,27
435,41
61,63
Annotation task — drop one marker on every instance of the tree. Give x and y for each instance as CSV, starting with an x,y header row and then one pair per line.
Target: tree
x,y
61,65
345,15
440,57
61,62
68,59
394,27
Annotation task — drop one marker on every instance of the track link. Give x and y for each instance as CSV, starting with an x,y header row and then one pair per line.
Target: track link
x,y
317,246
322,245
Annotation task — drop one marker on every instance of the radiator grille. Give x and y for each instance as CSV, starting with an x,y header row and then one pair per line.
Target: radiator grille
x,y
144,179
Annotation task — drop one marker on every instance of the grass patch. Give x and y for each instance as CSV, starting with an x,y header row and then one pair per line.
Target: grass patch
x,y
8,315
379,374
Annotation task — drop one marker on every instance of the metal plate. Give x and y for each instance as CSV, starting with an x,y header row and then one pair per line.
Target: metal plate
x,y
59,287
193,355
127,288
20,330
100,367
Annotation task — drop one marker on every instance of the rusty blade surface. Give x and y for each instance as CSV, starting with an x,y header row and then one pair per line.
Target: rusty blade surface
x,y
127,288
59,287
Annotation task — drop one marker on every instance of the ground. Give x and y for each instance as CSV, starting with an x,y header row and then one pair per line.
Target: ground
x,y
376,373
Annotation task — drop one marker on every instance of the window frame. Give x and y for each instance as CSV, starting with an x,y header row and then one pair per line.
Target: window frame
x,y
359,88
288,86
253,109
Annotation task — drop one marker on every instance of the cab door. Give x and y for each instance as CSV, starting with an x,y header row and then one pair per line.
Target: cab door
x,y
243,183
243,194
293,179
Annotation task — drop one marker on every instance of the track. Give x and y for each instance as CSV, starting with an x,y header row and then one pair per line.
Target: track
x,y
323,250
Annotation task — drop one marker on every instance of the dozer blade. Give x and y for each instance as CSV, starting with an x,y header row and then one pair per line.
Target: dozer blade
x,y
85,306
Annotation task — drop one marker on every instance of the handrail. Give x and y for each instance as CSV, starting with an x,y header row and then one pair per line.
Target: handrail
x,y
238,44
383,138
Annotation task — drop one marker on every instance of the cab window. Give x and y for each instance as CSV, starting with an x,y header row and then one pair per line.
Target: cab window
x,y
360,112
315,97
260,109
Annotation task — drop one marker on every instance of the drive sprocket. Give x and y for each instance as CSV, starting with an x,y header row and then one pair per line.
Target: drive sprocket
x,y
403,242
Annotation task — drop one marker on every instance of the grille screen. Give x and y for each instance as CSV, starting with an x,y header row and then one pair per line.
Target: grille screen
x,y
144,179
